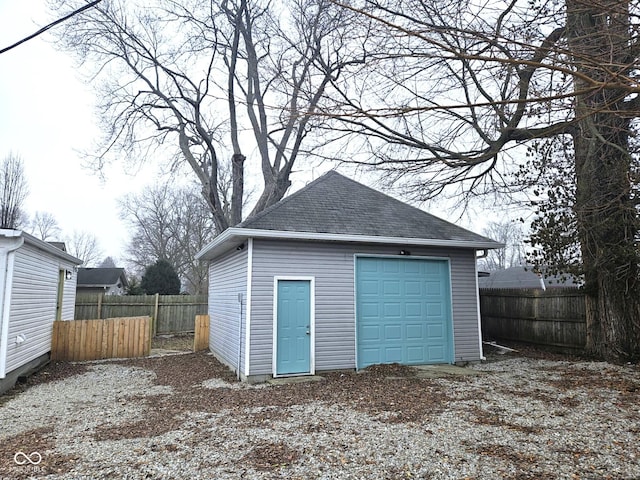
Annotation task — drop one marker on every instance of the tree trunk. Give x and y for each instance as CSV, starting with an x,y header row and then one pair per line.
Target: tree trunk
x,y
237,194
275,186
219,217
598,37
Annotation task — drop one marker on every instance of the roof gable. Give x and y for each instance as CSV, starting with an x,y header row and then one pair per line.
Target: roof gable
x,y
336,204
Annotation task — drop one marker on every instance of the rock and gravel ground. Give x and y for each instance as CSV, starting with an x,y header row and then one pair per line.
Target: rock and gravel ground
x,y
185,417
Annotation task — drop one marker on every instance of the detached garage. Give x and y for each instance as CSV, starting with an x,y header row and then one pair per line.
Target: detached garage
x,y
341,276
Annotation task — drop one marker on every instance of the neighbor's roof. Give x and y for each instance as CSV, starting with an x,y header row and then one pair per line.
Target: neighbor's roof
x,y
100,277
61,245
525,277
336,208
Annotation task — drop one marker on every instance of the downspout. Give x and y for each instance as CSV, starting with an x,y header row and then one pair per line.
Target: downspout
x,y
247,315
239,336
482,255
7,260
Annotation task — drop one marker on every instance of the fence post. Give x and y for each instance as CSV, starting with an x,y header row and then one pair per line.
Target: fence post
x,y
55,341
152,321
155,315
100,305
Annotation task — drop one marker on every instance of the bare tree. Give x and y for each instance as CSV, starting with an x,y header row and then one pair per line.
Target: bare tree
x,y
85,246
213,81
45,226
469,92
512,254
14,190
170,224
108,262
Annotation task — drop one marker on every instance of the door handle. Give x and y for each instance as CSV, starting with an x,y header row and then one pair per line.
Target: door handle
x,y
308,331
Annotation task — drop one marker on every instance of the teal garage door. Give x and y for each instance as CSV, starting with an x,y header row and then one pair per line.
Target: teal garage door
x,y
403,309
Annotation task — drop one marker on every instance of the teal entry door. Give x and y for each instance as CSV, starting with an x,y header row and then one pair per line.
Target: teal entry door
x,y
293,327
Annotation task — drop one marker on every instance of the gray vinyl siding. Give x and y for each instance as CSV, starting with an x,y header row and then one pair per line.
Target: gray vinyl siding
x,y
69,294
332,265
34,296
227,279
464,295
334,317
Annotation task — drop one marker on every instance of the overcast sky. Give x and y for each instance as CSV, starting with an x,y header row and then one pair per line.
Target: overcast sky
x,y
47,118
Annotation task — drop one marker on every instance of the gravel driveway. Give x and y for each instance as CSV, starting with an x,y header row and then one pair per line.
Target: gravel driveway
x,y
185,417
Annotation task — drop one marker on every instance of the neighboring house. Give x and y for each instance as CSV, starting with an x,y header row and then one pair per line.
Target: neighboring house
x,y
109,281
524,277
38,286
61,245
341,276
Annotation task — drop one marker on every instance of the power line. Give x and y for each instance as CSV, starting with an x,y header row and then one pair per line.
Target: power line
x,y
51,25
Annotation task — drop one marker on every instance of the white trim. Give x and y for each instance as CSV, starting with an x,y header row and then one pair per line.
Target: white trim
x,y
355,308
42,245
312,324
217,246
247,314
482,357
7,261
452,333
274,327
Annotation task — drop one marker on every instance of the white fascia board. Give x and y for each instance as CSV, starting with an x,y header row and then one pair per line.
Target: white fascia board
x,y
47,247
42,245
217,246
6,232
208,252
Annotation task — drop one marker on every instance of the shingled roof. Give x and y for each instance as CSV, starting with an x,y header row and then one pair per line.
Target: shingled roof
x,y
336,208
336,204
100,277
525,276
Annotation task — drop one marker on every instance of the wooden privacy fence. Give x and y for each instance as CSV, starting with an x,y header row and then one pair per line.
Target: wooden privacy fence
x,y
169,313
554,317
75,340
201,335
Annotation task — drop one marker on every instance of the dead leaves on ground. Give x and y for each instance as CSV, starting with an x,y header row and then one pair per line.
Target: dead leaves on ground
x,y
390,393
271,456
32,454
